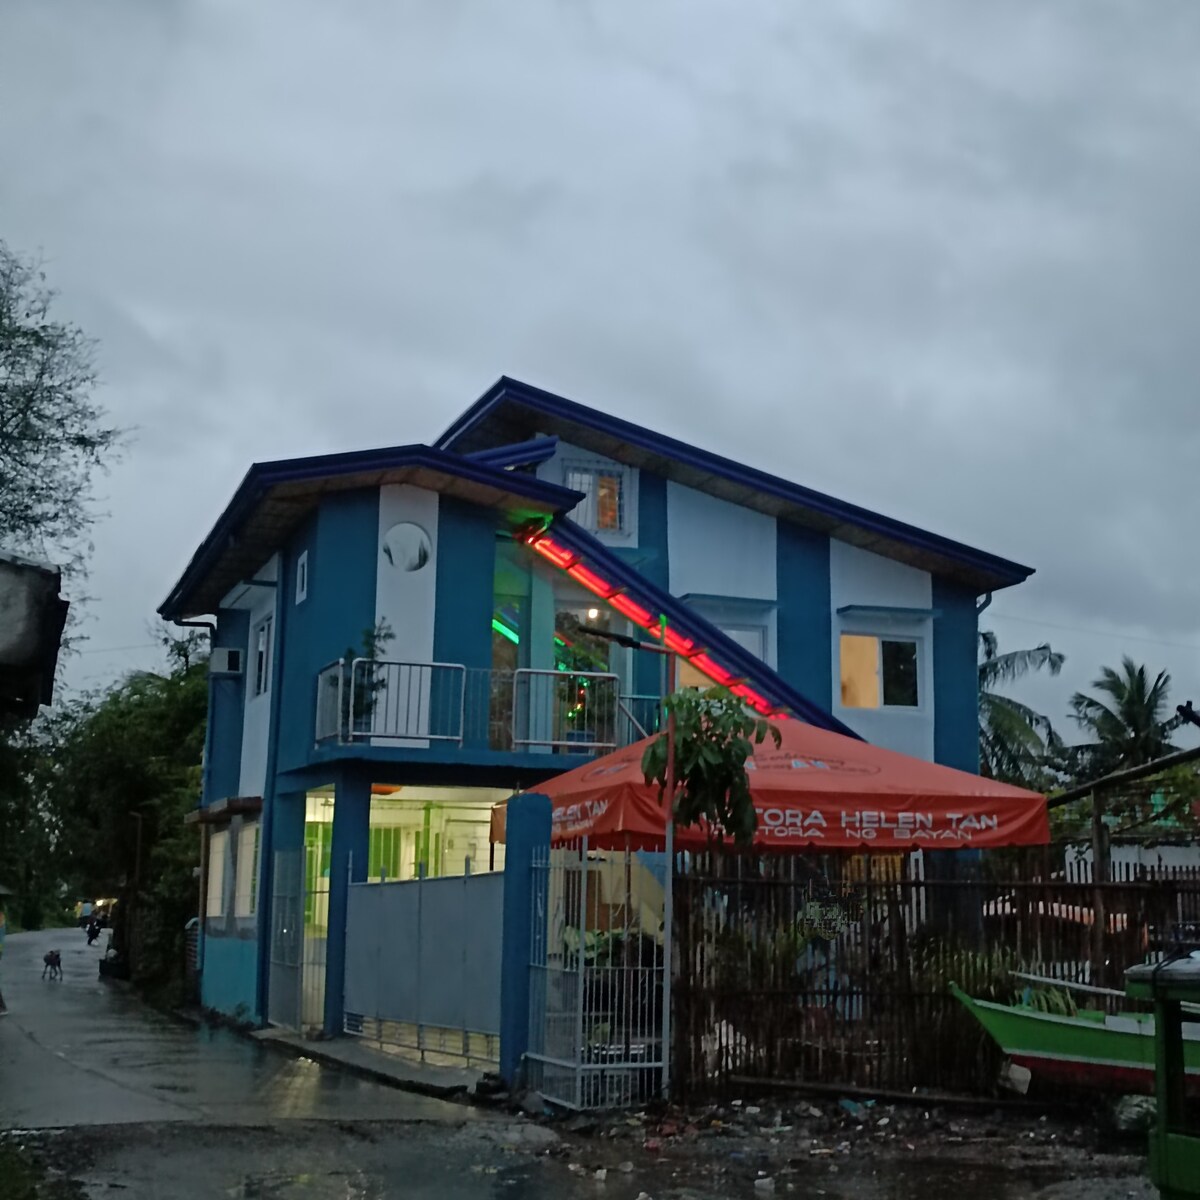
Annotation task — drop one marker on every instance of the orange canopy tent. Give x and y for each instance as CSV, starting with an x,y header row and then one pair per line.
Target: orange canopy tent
x,y
818,790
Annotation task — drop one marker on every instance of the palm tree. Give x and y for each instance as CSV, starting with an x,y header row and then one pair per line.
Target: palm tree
x,y
1013,738
1130,724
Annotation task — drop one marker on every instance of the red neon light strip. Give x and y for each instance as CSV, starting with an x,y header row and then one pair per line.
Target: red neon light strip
x,y
560,556
680,645
635,612
568,561
716,673
591,580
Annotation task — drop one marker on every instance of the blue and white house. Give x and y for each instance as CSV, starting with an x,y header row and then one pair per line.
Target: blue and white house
x,y
405,635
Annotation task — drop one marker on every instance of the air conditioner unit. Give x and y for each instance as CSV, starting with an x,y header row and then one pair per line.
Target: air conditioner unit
x,y
224,661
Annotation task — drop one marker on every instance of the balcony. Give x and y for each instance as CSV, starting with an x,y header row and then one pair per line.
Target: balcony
x,y
421,705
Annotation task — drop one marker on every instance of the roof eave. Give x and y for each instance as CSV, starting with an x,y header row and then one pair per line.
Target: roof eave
x,y
973,567
262,478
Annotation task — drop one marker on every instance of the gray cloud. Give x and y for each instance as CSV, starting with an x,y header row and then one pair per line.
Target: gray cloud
x,y
935,258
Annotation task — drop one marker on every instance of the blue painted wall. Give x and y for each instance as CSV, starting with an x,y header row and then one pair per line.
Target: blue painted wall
x,y
228,983
341,605
226,703
804,629
955,677
466,564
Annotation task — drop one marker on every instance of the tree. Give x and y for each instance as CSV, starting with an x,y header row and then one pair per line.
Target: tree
x,y
53,436
714,735
1013,739
1129,722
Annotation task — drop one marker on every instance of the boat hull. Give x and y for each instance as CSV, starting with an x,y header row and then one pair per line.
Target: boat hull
x,y
1113,1054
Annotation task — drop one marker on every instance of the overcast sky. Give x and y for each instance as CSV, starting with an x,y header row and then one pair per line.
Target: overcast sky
x,y
937,258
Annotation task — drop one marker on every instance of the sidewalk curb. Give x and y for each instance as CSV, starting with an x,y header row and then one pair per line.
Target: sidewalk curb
x,y
456,1091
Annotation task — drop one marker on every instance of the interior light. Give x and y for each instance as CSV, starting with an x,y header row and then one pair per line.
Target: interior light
x,y
593,613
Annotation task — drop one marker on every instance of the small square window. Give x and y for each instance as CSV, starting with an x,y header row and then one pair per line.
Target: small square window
x,y
878,672
603,508
262,657
302,578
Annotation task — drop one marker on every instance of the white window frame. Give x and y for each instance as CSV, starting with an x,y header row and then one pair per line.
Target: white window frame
x,y
245,903
302,577
881,636
218,854
595,467
262,656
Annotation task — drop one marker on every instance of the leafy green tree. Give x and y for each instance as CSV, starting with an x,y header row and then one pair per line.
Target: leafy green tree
x,y
124,771
1130,721
1014,739
714,736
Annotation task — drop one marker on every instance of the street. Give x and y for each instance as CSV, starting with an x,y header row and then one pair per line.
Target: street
x,y
110,1096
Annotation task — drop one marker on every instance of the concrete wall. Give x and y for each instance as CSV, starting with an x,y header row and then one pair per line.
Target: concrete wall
x,y
229,980
406,598
858,577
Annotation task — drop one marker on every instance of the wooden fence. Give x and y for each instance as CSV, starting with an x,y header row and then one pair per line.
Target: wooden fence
x,y
837,970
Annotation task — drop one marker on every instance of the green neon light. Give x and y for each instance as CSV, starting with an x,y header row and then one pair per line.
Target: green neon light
x,y
504,631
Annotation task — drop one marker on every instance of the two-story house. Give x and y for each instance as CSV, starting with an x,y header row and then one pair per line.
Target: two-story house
x,y
405,635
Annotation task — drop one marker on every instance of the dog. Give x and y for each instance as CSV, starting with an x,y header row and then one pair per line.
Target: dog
x,y
53,964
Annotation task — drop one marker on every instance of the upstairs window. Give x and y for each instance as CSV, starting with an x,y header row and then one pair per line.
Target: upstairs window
x,y
262,657
878,672
603,508
302,578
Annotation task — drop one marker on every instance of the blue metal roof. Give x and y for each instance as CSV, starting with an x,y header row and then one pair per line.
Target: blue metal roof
x,y
523,454
273,498
511,410
688,622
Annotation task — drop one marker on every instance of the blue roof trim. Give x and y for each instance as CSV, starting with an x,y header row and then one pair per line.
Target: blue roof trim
x,y
261,477
521,454
730,655
1004,571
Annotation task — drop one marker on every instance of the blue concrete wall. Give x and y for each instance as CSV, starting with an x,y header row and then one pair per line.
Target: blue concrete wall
x,y
226,703
466,564
804,622
340,607
348,860
527,831
955,677
228,983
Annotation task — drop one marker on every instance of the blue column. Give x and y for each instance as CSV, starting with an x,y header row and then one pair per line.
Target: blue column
x,y
527,830
348,860
282,829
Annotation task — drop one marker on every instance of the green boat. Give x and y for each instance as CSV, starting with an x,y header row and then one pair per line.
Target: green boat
x,y
1088,1049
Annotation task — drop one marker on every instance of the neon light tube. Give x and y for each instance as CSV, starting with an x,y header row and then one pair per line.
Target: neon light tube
x,y
504,631
591,581
716,673
635,612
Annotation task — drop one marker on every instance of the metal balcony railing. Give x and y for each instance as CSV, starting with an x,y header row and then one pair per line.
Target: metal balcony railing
x,y
416,704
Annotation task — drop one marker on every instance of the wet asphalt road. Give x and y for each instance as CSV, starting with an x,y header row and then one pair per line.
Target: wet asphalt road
x,y
83,1052
117,1099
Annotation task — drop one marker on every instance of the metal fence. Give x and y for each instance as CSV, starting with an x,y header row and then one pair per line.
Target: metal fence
x,y
597,976
423,961
420,703
837,970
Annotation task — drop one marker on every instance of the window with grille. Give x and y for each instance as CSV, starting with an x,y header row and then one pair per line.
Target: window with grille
x,y
603,509
879,672
246,892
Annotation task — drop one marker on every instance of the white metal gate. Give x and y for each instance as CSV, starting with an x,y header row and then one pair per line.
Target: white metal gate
x,y
599,990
